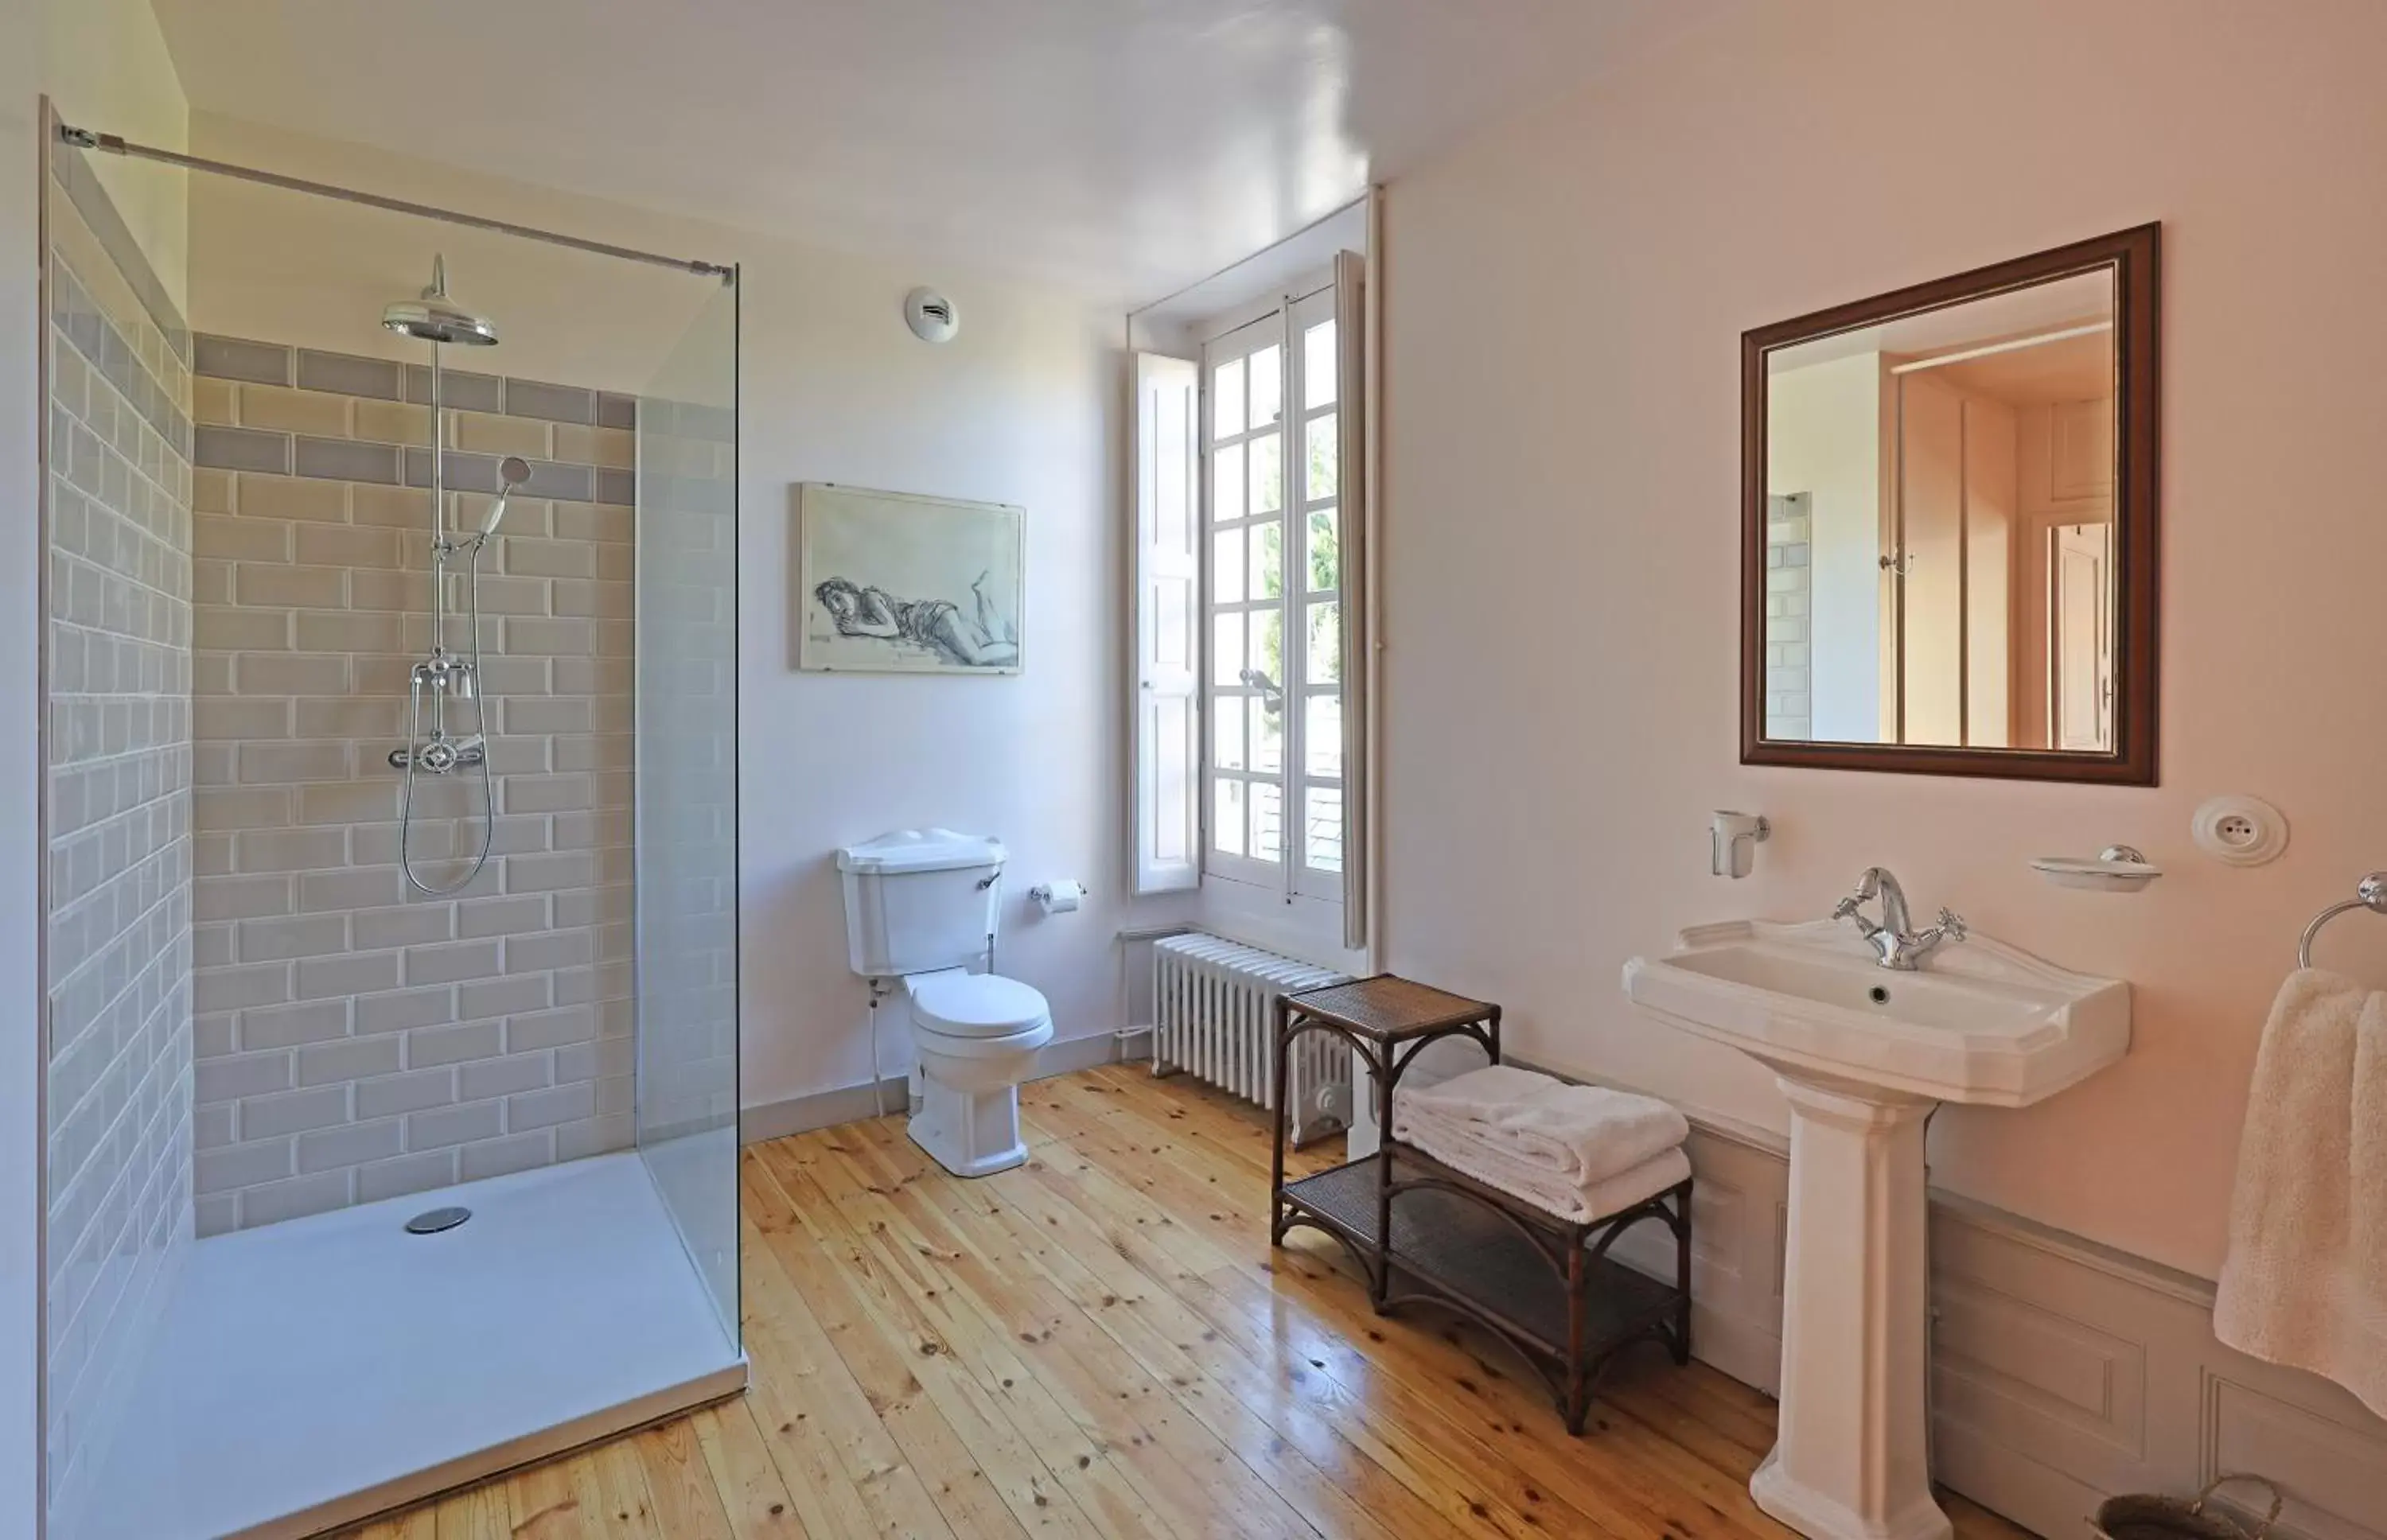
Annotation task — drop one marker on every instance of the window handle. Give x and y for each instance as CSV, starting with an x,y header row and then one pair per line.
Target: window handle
x,y
1272,693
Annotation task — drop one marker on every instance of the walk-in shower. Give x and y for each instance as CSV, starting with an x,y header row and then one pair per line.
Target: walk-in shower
x,y
391,755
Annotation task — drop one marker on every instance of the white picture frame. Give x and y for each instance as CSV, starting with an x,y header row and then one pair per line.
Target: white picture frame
x,y
896,583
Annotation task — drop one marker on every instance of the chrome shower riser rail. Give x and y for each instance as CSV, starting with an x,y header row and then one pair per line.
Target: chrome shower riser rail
x,y
415,757
116,143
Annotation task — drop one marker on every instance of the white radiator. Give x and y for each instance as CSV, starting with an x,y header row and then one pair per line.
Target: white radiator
x,y
1214,1015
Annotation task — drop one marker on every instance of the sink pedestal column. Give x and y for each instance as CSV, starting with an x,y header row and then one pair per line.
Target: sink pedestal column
x,y
1850,1461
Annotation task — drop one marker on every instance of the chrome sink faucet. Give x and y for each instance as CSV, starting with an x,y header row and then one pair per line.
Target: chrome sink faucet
x,y
1897,946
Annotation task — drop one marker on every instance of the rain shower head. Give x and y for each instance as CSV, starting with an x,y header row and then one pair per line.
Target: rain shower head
x,y
513,473
436,318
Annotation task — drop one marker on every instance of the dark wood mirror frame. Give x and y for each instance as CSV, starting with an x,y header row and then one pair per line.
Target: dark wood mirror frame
x,y
2134,258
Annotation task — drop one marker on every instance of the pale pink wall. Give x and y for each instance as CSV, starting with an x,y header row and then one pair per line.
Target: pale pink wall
x,y
1565,300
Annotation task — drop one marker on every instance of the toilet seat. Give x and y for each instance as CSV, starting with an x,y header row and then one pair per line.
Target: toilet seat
x,y
977,1005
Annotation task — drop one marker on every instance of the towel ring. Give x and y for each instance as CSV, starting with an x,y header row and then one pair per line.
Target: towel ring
x,y
2370,894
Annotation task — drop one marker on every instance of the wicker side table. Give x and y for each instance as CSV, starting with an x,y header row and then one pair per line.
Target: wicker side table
x,y
1544,1285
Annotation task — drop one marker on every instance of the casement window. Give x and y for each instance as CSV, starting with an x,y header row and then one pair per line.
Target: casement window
x,y
1246,575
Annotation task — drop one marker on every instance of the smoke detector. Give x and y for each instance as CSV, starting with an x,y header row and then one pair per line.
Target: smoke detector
x,y
930,315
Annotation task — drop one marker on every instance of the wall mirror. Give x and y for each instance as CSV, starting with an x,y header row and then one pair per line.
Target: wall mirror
x,y
1948,543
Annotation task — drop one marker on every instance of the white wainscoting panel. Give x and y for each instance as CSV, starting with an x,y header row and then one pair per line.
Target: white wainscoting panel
x,y
2063,1371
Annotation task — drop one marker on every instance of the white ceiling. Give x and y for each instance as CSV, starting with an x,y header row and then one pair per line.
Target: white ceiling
x,y
1130,146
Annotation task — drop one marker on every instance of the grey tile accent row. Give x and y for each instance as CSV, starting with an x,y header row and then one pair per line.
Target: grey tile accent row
x,y
221,448
553,402
231,359
469,472
693,421
346,459
346,374
71,171
460,390
386,379
242,449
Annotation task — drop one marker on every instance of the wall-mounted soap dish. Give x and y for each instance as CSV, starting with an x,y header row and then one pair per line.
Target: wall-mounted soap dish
x,y
2114,869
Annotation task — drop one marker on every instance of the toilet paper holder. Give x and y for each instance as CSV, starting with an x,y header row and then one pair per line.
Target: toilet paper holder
x,y
1058,898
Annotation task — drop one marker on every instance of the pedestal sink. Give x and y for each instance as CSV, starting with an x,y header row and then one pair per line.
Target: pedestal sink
x,y
1863,1053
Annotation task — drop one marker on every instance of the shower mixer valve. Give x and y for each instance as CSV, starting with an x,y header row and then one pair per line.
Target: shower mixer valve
x,y
441,754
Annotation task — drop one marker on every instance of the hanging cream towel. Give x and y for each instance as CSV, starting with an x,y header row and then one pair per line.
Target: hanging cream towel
x,y
2305,1281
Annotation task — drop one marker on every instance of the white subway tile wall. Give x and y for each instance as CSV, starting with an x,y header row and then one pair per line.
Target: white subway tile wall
x,y
357,1040
1789,590
117,745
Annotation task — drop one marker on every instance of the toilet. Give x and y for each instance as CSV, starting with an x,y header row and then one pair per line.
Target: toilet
x,y
921,908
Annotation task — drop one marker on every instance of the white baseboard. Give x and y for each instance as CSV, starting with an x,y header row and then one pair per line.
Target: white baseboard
x,y
826,1109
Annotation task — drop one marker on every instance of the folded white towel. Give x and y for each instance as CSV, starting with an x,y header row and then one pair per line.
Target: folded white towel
x,y
2305,1281
1480,1095
1577,1134
1535,1184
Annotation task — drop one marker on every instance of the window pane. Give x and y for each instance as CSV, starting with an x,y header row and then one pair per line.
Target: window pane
x,y
1267,645
1321,735
1268,736
1227,817
1227,567
1226,734
1226,648
1227,483
1267,561
1267,821
1325,552
1325,655
1268,384
1267,473
1318,365
1227,399
1321,457
1322,821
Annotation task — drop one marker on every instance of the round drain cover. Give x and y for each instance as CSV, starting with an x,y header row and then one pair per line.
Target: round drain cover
x,y
435,1220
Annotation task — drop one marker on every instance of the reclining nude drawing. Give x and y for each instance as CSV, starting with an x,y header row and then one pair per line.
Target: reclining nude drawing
x,y
985,640
898,582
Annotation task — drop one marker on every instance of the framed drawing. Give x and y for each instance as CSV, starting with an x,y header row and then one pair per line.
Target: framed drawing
x,y
898,584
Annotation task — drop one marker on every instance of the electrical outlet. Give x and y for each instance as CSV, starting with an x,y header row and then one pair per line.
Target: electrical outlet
x,y
2242,831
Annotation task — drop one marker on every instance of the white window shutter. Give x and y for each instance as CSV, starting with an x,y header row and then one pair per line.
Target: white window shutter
x,y
1359,660
1167,800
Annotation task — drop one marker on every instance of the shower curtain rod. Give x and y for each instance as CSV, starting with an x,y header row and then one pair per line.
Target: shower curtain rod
x,y
116,143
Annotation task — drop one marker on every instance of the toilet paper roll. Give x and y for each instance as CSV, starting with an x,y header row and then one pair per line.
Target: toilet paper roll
x,y
1060,898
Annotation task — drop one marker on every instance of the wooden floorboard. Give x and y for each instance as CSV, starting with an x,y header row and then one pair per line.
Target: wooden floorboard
x,y
1103,1345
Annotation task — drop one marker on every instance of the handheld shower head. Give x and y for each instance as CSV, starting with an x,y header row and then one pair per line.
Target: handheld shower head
x,y
513,472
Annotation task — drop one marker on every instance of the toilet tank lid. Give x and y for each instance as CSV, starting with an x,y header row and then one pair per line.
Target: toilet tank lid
x,y
921,849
